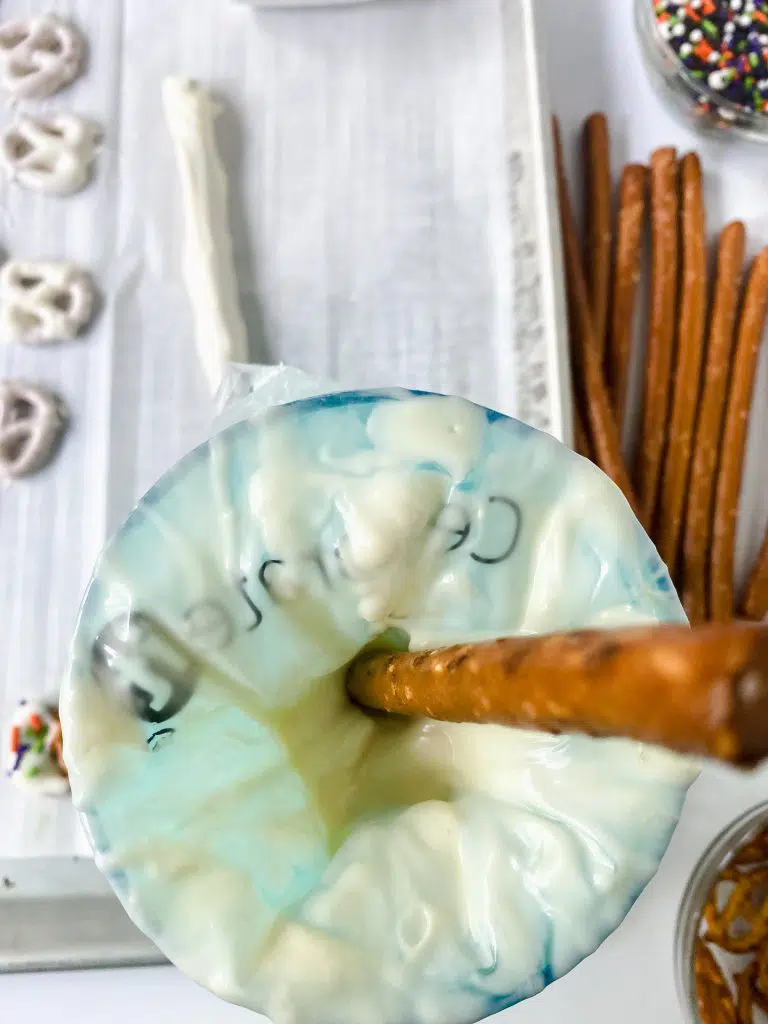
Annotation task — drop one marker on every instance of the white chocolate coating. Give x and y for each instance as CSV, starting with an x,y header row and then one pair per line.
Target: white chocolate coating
x,y
51,153
40,55
209,268
32,420
44,302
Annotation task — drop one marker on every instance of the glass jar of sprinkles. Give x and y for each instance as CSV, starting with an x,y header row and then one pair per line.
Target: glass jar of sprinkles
x,y
710,58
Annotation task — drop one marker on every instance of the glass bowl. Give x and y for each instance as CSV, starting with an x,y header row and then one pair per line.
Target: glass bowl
x,y
702,108
695,896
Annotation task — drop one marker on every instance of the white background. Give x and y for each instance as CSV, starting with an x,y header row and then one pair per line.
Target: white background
x,y
594,64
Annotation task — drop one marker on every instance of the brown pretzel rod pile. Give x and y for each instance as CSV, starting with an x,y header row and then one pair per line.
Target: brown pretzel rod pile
x,y
706,447
597,251
702,691
591,391
729,476
699,374
661,336
630,229
690,355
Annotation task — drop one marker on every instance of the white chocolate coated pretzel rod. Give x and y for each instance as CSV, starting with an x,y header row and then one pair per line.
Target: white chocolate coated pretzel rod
x,y
209,267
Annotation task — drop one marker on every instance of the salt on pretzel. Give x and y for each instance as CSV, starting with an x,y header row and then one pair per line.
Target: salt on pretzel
x,y
597,252
32,421
40,55
734,439
630,230
44,302
690,357
665,211
702,692
592,393
721,337
52,153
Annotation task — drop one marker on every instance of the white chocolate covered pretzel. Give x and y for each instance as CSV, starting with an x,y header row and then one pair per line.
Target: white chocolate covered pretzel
x,y
44,302
209,264
40,55
52,153
32,421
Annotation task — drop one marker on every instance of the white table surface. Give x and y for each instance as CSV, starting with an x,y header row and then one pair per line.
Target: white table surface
x,y
594,65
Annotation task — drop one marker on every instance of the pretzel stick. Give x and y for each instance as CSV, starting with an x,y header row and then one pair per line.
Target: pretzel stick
x,y
698,525
713,996
629,253
597,252
734,439
587,368
581,442
702,692
756,596
661,335
690,356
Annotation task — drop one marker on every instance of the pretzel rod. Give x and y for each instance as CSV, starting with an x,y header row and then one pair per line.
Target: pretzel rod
x,y
702,692
581,443
661,334
734,439
756,595
629,253
597,252
587,368
698,525
690,356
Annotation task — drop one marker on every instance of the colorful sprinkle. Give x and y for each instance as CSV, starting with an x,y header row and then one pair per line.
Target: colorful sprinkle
x,y
722,43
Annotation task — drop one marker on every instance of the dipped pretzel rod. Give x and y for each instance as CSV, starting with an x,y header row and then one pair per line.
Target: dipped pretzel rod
x,y
702,692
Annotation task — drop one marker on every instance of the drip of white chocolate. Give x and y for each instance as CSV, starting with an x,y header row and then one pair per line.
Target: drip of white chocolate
x,y
209,267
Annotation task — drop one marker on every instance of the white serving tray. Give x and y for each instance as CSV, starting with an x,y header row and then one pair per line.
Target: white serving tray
x,y
333,278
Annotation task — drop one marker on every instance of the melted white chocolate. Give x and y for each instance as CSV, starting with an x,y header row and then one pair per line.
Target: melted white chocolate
x,y
285,849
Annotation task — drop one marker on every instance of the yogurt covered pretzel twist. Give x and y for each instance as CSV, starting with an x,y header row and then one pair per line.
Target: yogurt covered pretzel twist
x,y
32,420
690,356
44,302
734,439
40,55
661,335
701,493
588,371
53,153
